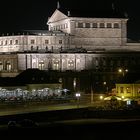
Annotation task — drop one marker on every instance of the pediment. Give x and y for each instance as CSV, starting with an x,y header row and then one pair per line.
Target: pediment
x,y
56,16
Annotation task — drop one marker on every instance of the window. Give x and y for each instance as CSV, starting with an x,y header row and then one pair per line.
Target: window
x,y
46,41
109,25
16,42
32,48
1,66
128,90
60,41
80,25
102,25
10,42
66,25
94,25
8,66
62,27
41,65
46,48
32,41
5,42
58,27
1,42
121,90
116,25
87,25
56,65
70,64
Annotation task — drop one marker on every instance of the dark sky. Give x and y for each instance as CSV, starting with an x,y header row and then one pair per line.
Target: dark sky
x,y
33,14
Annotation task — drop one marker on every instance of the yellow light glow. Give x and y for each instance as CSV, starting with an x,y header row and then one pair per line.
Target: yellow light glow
x,y
101,97
120,70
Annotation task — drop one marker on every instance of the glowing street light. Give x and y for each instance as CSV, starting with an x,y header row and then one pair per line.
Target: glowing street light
x,y
123,71
122,97
101,97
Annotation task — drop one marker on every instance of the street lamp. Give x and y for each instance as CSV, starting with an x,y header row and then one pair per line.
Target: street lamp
x,y
101,97
78,98
123,71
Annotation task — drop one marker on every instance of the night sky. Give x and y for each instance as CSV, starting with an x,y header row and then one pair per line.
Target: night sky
x,y
33,14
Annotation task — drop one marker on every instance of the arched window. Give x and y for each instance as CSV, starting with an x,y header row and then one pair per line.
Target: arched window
x,y
5,42
32,48
70,64
16,42
10,42
56,65
109,25
116,25
41,65
8,66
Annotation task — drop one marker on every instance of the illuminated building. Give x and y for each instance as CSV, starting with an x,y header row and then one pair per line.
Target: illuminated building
x,y
95,46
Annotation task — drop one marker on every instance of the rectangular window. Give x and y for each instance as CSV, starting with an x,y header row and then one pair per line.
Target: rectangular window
x,y
128,90
80,25
102,25
87,25
66,25
60,41
121,90
32,41
94,25
56,66
109,25
46,41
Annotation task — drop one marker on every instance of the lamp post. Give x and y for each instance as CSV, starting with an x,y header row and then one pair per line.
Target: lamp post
x,y
78,98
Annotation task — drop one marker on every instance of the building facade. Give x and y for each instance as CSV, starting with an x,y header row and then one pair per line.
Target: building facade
x,y
128,90
96,47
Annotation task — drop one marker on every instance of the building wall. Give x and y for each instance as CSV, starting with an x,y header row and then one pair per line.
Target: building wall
x,y
108,31
110,62
22,43
8,65
128,90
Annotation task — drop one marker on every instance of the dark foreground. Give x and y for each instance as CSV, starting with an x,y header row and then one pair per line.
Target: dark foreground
x,y
56,125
